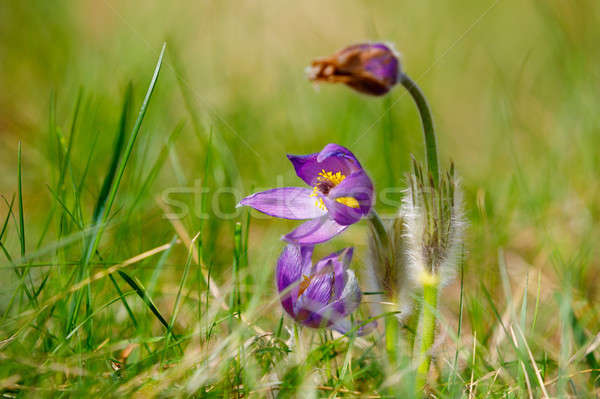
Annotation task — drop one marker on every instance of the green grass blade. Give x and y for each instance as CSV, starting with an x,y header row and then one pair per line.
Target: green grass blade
x,y
143,294
89,317
159,267
129,149
10,207
581,340
116,155
452,388
20,202
64,207
177,304
236,297
186,271
67,157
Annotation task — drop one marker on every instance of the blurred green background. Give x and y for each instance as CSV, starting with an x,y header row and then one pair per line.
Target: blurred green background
x,y
514,87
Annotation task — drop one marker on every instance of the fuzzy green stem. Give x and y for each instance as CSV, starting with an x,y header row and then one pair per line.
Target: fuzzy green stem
x,y
427,330
391,322
298,342
428,129
391,339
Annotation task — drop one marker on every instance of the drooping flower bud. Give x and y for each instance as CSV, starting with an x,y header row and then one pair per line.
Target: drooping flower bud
x,y
434,225
370,68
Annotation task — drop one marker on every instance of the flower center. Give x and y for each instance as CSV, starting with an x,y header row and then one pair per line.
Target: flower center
x,y
325,182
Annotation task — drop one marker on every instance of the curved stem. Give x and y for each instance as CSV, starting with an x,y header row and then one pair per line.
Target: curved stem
x,y
428,129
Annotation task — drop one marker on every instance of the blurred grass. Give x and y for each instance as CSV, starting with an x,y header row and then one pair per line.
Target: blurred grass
x,y
514,90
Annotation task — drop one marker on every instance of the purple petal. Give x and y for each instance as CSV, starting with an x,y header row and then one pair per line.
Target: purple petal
x,y
341,213
344,254
314,298
347,302
339,261
286,202
338,152
358,186
315,231
333,158
289,272
308,168
384,67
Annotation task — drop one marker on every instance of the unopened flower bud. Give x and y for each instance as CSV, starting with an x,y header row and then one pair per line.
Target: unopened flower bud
x,y
388,258
370,68
434,224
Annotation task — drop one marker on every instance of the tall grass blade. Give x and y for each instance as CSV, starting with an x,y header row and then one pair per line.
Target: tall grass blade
x,y
143,294
105,209
116,156
20,202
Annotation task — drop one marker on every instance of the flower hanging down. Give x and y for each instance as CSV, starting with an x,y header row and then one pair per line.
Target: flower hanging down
x,y
370,68
320,295
341,194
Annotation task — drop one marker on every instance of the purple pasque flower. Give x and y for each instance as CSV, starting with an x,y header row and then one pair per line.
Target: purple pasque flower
x,y
341,194
322,294
370,68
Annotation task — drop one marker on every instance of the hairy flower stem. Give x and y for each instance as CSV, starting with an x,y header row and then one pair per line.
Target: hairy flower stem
x,y
391,322
428,129
298,342
391,339
426,332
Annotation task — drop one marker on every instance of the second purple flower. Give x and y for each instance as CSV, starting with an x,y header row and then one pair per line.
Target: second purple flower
x,y
320,295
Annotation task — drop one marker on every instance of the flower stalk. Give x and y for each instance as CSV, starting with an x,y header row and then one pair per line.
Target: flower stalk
x,y
391,338
427,329
428,128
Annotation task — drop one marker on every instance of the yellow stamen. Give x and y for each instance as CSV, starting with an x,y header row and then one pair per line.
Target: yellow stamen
x,y
335,178
348,201
330,180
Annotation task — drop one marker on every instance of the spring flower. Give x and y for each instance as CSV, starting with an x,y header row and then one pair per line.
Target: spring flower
x,y
320,295
340,194
370,68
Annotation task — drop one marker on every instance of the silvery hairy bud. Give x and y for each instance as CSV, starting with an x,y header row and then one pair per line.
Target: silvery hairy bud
x,y
434,225
388,261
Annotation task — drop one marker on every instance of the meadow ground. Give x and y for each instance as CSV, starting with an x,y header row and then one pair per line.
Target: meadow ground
x,y
118,255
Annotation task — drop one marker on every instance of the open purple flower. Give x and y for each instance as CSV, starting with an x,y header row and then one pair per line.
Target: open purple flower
x,y
319,295
370,68
341,193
